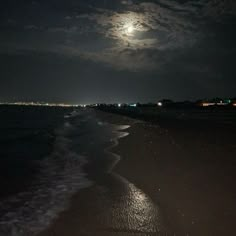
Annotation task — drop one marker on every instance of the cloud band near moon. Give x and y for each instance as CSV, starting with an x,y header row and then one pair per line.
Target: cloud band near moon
x,y
179,49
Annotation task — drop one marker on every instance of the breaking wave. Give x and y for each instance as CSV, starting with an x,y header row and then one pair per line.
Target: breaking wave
x,y
61,175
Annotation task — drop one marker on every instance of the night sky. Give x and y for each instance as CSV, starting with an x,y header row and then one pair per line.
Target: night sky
x,y
87,51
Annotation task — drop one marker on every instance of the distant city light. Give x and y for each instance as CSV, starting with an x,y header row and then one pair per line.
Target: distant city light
x,y
160,104
221,103
39,104
207,104
133,105
119,105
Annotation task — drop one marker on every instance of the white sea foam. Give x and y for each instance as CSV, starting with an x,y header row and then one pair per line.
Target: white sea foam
x,y
61,176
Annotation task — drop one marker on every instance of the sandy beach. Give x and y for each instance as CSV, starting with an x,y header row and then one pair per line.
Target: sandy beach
x,y
170,180
189,172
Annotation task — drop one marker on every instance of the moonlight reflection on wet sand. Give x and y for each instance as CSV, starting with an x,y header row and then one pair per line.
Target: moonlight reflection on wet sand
x,y
131,210
112,206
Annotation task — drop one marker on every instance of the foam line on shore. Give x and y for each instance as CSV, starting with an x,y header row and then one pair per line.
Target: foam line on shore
x,y
119,135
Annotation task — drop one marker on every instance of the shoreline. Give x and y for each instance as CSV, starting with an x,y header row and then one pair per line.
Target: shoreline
x,y
111,206
156,161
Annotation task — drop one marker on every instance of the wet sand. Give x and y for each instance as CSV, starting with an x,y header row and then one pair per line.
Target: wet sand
x,y
171,181
189,171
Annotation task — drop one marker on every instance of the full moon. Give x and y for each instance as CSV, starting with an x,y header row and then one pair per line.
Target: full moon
x,y
130,29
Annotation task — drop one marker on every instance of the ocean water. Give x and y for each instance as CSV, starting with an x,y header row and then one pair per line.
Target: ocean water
x,y
43,154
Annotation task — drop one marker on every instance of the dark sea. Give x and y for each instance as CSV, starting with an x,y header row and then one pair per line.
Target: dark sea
x,y
42,154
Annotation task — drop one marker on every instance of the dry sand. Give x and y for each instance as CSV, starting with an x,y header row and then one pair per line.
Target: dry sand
x,y
185,176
